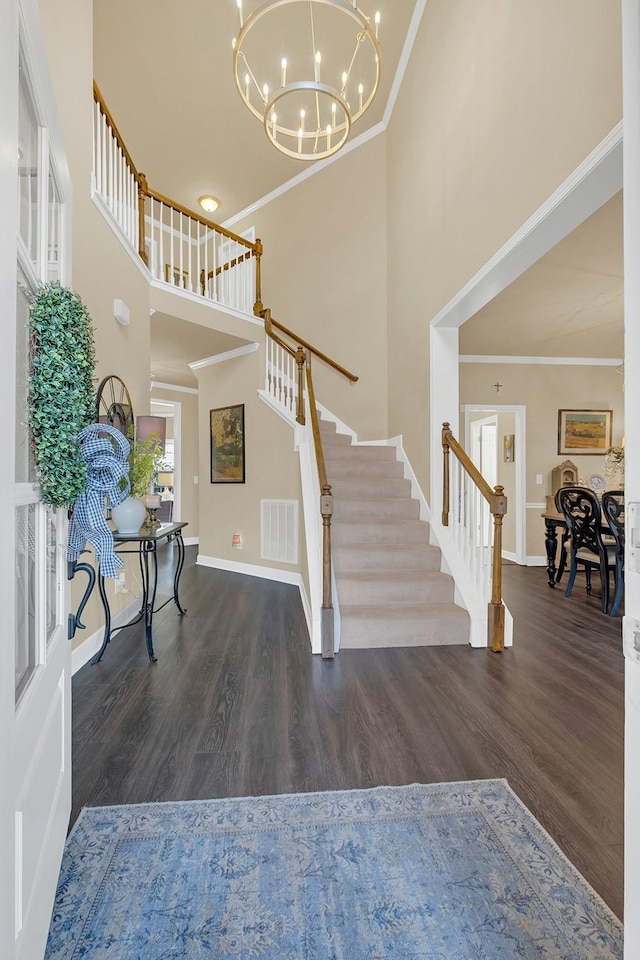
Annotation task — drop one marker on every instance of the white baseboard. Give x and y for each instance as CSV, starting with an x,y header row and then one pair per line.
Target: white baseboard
x,y
191,541
537,561
91,644
266,573
509,555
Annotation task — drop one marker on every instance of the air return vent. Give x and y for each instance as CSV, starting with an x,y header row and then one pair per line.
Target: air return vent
x,y
279,530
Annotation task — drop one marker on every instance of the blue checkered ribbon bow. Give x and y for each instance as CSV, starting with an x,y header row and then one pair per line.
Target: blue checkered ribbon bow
x,y
107,465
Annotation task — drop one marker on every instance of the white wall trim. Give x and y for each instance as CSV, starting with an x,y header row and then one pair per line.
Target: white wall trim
x,y
191,541
535,506
509,555
341,426
409,474
91,644
537,561
403,63
223,357
158,385
266,573
117,230
203,301
561,361
592,183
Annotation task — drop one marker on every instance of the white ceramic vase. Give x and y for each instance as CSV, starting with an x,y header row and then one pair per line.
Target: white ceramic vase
x,y
129,516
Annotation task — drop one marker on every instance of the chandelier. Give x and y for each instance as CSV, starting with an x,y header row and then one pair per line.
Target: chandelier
x,y
307,69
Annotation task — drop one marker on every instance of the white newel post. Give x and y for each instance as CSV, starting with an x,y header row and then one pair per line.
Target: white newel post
x,y
631,113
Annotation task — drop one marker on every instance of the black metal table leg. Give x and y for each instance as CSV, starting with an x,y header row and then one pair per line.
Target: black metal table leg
x,y
180,564
107,619
149,599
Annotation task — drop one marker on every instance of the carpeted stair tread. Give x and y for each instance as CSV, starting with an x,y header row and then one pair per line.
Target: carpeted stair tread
x,y
376,509
370,487
348,467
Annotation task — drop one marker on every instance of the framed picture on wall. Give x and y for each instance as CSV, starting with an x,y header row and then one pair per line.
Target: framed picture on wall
x,y
584,431
227,444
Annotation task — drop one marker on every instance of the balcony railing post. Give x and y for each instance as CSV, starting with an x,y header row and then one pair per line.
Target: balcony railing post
x,y
327,636
498,507
301,357
257,307
445,474
143,188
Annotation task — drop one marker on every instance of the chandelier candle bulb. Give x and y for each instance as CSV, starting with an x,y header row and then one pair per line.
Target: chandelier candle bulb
x,y
265,92
317,66
328,136
300,132
377,22
361,91
334,107
240,13
283,77
247,80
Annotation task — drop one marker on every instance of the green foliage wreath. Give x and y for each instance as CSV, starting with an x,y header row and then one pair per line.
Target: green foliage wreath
x,y
61,391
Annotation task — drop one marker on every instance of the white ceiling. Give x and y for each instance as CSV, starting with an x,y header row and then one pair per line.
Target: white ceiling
x,y
165,71
568,304
176,343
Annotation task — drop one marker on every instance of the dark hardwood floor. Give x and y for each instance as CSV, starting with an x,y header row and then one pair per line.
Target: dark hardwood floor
x,y
237,706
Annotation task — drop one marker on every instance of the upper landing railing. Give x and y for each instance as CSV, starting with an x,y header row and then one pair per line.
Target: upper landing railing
x,y
180,247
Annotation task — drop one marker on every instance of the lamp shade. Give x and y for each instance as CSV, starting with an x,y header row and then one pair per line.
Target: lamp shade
x,y
145,426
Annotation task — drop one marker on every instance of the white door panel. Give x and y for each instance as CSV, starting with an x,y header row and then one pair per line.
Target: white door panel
x,y
35,767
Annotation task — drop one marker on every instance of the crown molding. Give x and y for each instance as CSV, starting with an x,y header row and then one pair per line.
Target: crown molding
x,y
223,357
158,385
357,142
561,361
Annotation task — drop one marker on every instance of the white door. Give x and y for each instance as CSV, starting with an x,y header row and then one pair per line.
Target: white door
x,y
484,453
35,770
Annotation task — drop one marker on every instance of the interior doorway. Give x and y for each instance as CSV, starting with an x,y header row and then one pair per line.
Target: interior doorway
x,y
496,439
169,480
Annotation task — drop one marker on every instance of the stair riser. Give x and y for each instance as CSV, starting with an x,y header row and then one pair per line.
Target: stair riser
x,y
390,533
372,510
436,588
391,558
389,633
370,488
384,469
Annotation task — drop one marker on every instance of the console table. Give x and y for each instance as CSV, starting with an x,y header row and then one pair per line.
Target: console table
x,y
145,543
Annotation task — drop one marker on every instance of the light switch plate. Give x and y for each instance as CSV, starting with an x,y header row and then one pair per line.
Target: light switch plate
x,y
539,479
632,511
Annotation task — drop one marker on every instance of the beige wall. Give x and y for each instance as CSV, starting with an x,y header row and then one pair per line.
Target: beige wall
x,y
101,269
189,456
545,389
324,276
272,469
500,102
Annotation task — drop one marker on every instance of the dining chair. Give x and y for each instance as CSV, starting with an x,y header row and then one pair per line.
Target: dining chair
x,y
613,509
583,516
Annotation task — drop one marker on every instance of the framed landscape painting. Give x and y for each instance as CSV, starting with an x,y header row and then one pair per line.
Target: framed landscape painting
x,y
584,431
227,444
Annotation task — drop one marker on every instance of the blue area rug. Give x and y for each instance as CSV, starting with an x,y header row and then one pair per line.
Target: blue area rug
x,y
457,871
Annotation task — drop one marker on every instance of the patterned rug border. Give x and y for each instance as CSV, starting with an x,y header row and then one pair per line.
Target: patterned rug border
x,y
318,794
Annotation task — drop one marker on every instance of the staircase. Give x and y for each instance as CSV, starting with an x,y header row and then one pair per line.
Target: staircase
x,y
390,587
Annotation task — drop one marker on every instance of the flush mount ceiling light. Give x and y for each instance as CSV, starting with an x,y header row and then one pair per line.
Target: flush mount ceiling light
x,y
307,69
209,204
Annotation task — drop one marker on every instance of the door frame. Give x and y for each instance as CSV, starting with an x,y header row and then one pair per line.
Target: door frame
x,y
520,506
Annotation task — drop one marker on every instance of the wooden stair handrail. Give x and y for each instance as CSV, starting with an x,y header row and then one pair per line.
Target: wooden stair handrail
x,y
318,353
498,506
203,220
99,99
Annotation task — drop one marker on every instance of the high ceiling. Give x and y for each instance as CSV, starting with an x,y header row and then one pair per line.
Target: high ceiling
x,y
568,304
165,71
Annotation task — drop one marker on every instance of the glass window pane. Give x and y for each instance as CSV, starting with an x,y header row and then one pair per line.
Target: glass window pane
x,y
28,139
25,466
25,633
53,559
54,213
